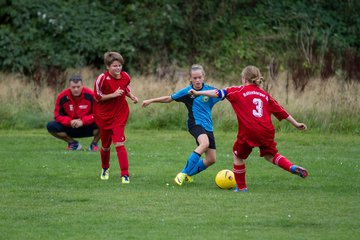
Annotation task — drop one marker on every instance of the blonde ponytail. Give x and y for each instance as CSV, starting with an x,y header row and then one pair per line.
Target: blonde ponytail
x,y
253,75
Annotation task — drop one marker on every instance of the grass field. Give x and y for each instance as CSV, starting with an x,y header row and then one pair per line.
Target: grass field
x,y
48,193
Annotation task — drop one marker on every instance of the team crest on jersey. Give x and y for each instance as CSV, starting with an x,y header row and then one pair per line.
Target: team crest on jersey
x,y
83,106
205,98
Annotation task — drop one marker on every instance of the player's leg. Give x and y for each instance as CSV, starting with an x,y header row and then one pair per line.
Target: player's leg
x,y
241,151
287,165
203,144
202,141
105,136
119,142
210,157
61,132
271,154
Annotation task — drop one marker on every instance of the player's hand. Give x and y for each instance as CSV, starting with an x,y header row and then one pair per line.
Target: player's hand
x,y
301,126
193,92
145,103
134,99
118,92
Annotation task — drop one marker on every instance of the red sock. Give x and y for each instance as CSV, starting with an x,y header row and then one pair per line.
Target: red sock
x,y
123,160
239,172
105,158
282,162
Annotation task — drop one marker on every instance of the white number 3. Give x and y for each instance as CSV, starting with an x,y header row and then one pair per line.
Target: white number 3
x,y
259,107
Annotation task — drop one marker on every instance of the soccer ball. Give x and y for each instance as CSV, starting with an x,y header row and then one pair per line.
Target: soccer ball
x,y
225,179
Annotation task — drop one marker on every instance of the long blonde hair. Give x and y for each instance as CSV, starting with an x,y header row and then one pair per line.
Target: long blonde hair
x,y
253,75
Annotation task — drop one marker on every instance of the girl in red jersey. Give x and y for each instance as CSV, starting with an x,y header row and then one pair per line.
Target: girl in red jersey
x,y
111,112
253,107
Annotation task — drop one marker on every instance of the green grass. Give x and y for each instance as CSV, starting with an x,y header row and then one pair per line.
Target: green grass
x,y
48,193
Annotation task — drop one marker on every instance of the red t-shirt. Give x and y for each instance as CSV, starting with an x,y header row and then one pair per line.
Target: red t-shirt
x,y
68,108
253,107
113,112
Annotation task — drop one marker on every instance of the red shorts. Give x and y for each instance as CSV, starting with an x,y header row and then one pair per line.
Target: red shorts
x,y
242,150
115,135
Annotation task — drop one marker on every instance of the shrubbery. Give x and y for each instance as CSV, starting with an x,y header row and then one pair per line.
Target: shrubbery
x,y
308,38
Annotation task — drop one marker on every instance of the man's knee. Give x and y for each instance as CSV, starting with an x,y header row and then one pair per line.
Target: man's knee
x,y
53,127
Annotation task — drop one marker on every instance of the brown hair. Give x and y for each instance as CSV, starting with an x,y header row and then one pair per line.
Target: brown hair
x,y
75,78
197,67
253,75
110,57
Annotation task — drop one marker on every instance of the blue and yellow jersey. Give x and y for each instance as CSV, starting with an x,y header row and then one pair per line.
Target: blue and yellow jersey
x,y
199,107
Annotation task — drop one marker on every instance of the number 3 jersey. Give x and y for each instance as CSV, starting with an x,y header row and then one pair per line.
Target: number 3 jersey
x,y
253,107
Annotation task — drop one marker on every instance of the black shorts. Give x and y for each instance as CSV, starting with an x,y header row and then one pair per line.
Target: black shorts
x,y
80,132
197,130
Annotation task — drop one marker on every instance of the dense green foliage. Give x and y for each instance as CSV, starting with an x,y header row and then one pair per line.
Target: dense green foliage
x,y
307,37
48,193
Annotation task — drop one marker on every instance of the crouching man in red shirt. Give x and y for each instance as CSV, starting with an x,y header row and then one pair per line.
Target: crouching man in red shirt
x,y
74,116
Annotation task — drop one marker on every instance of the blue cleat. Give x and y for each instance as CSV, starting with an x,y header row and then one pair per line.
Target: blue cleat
x,y
241,190
302,172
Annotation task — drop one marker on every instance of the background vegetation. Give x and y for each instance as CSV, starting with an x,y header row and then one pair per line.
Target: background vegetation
x,y
305,37
308,50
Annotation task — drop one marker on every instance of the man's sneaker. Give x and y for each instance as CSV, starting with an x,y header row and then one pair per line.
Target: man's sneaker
x,y
105,174
302,172
74,146
93,147
189,179
241,190
180,178
125,179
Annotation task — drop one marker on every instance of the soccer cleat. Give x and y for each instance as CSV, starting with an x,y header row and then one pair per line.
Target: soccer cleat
x,y
105,174
74,146
241,190
180,178
125,179
302,172
93,147
189,179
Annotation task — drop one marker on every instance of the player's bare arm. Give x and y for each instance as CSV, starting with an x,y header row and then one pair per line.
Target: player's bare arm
x,y
164,99
133,98
119,92
300,126
209,93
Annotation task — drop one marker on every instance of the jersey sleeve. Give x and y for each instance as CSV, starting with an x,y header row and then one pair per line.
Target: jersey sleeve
x,y
89,117
275,108
59,113
128,79
98,93
229,93
181,93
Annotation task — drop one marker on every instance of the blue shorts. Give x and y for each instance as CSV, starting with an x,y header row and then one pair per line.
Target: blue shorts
x,y
85,131
197,130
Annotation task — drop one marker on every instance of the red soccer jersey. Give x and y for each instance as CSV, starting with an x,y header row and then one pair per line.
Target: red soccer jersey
x,y
68,108
113,112
253,107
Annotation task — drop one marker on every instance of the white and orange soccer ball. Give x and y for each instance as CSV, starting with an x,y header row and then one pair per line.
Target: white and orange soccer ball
x,y
225,179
